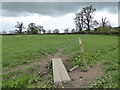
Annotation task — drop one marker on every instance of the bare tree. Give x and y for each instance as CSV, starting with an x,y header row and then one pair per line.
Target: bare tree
x,y
44,31
95,24
73,30
20,27
56,31
39,28
66,30
49,31
32,28
88,16
79,21
104,22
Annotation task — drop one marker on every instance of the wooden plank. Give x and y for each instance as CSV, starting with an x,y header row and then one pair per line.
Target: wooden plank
x,y
56,74
63,72
59,72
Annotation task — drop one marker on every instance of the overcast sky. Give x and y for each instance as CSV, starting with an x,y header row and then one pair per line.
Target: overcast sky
x,y
53,15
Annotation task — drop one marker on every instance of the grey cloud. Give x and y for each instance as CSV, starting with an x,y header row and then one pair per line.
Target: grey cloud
x,y
53,8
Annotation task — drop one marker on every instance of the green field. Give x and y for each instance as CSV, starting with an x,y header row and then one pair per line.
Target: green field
x,y
26,49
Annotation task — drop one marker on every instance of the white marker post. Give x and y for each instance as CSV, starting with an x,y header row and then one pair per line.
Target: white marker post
x,y
83,54
83,57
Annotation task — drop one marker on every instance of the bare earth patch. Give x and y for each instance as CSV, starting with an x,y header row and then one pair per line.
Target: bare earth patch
x,y
41,63
78,77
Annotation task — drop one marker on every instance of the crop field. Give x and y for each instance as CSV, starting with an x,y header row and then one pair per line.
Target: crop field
x,y
23,56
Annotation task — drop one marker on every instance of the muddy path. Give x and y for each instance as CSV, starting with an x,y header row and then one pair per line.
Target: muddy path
x,y
78,77
41,63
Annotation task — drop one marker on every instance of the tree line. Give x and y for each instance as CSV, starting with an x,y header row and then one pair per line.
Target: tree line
x,y
84,21
32,29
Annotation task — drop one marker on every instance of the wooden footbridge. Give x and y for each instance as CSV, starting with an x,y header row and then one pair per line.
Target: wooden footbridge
x,y
59,72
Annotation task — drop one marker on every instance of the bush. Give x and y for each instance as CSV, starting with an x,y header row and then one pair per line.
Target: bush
x,y
105,29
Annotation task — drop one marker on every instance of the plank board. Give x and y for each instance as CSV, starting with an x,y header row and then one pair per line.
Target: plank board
x,y
59,72
56,74
63,71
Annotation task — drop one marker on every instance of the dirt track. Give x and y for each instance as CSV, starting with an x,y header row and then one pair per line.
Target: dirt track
x,y
78,78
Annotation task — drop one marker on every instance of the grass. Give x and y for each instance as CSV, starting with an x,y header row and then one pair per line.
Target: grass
x,y
30,48
26,79
25,49
110,78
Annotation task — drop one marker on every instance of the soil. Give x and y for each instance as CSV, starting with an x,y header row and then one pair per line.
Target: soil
x,y
41,63
78,77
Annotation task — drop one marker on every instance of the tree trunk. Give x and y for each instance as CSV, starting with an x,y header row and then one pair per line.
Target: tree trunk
x,y
88,26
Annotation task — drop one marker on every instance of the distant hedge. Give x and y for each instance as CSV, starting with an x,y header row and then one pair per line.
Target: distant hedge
x,y
82,32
